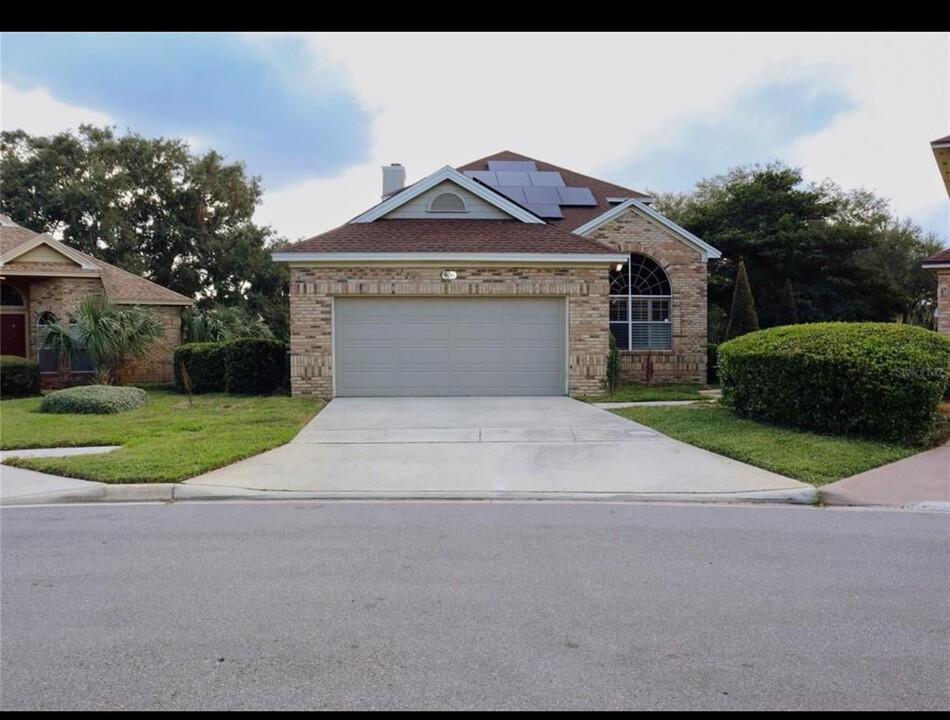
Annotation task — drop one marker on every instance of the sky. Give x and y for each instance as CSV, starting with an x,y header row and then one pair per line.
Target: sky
x,y
317,115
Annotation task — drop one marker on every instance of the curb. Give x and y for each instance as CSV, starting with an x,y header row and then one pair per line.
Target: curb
x,y
171,492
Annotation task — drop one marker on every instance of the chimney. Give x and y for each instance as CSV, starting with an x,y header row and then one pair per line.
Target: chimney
x,y
394,179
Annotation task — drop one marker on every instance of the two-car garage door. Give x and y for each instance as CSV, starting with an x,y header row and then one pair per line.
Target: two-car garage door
x,y
449,346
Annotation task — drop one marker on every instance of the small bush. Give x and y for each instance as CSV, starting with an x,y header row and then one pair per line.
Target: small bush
x,y
878,380
255,366
712,363
94,400
206,364
19,377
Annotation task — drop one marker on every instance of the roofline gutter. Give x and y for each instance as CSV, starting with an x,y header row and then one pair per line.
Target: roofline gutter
x,y
497,258
940,265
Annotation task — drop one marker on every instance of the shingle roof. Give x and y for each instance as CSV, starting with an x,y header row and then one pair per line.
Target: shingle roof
x,y
476,236
941,257
941,141
448,236
120,286
14,236
574,217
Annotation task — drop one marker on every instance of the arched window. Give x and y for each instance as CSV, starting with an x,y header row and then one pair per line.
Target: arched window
x,y
10,296
641,305
447,202
48,359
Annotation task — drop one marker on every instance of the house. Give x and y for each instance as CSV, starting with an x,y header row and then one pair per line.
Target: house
x,y
505,276
43,280
940,262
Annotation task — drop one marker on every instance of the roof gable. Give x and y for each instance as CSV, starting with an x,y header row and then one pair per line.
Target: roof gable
x,y
637,206
43,248
450,175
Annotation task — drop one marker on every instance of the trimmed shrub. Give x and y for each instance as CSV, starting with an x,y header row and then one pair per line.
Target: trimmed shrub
x,y
255,366
880,380
712,363
206,364
94,400
19,376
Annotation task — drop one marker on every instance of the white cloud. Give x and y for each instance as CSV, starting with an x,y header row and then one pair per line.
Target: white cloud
x,y
594,101
39,113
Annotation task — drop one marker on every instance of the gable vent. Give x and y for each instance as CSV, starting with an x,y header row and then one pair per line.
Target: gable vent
x,y
447,203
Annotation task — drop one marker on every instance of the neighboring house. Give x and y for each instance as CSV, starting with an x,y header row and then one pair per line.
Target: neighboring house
x,y
44,280
502,277
940,262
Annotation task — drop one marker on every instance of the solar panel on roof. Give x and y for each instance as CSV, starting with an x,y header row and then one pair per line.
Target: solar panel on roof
x,y
486,176
542,195
514,192
510,177
546,178
545,211
577,196
512,165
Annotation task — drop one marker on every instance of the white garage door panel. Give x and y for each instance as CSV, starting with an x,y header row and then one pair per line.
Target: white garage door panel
x,y
457,346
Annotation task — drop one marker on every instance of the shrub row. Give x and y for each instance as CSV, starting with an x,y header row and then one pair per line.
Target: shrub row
x,y
19,376
880,380
94,400
250,366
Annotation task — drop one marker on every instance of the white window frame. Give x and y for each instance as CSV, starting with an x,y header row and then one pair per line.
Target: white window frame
x,y
649,324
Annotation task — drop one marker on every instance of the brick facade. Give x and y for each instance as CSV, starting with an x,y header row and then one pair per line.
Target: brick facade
x,y
943,301
156,364
684,265
61,296
312,290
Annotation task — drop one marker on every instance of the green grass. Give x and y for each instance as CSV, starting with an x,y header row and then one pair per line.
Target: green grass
x,y
639,392
165,441
817,459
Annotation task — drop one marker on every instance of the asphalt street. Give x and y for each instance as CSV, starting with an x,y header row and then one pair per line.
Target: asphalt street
x,y
479,605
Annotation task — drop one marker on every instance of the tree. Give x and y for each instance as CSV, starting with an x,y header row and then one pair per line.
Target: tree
x,y
845,253
742,318
787,309
105,332
150,206
222,324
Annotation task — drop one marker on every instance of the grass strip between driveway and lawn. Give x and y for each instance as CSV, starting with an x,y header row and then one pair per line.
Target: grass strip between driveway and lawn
x,y
168,440
812,458
640,392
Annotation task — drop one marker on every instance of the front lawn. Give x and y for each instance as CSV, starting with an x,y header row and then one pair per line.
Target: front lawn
x,y
817,459
640,392
165,441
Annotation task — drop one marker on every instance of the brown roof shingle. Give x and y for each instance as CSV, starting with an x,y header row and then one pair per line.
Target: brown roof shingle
x,y
448,236
14,236
943,256
120,286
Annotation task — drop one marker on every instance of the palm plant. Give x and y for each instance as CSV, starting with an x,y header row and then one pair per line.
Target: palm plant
x,y
222,324
105,332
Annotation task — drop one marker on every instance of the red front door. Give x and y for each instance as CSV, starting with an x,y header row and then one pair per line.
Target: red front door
x,y
13,334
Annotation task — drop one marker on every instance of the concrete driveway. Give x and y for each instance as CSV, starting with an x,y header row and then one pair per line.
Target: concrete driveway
x,y
493,447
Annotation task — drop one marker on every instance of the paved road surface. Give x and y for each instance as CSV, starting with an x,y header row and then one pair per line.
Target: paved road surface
x,y
453,605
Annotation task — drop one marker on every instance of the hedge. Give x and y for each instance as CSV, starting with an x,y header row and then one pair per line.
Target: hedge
x,y
206,364
255,366
19,376
250,366
94,400
879,380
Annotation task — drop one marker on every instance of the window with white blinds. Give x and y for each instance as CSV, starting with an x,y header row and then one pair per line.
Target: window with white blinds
x,y
641,305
